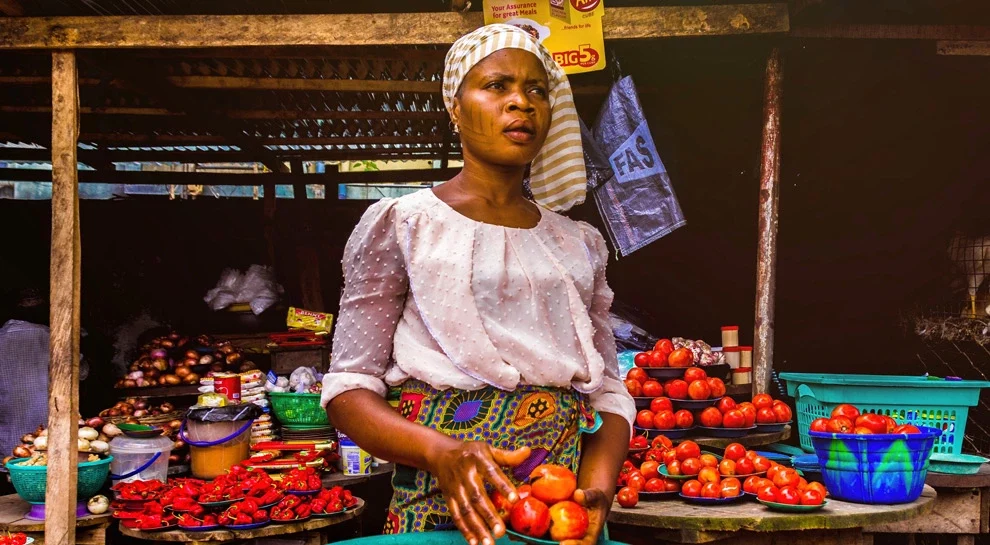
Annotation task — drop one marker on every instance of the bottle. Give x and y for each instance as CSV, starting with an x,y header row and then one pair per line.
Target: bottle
x,y
353,460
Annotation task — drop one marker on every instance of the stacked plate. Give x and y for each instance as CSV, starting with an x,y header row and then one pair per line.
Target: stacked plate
x,y
317,434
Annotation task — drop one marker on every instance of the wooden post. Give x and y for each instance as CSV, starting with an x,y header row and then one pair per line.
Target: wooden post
x,y
766,264
63,373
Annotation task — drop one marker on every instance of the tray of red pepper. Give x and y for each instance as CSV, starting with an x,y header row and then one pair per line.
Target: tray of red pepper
x,y
182,496
151,523
332,501
192,523
302,481
244,515
291,509
20,538
137,491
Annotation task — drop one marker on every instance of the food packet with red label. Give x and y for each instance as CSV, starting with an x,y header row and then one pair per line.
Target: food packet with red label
x,y
307,319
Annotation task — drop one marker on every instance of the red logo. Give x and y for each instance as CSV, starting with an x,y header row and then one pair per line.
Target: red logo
x,y
584,56
585,6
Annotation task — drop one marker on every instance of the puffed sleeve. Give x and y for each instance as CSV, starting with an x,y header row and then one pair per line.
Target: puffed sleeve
x,y
375,284
612,397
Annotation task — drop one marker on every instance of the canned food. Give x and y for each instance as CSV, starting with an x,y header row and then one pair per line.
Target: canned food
x,y
229,385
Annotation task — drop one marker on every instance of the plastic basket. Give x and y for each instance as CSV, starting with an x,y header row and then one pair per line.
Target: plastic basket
x,y
298,409
940,404
30,481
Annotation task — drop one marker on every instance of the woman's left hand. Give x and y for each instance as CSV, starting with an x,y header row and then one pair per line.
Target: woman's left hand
x,y
598,505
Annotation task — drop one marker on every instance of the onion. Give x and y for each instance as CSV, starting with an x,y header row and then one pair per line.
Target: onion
x,y
172,380
128,383
131,420
174,336
82,445
28,438
191,378
105,412
233,357
174,458
248,366
111,430
155,411
226,348
88,433
152,374
206,360
162,381
80,423
167,407
189,362
160,363
192,354
175,424
95,422
21,451
103,437
135,375
141,383
181,371
127,409
98,505
140,412
158,354
41,443
216,367
168,343
99,447
141,404
179,444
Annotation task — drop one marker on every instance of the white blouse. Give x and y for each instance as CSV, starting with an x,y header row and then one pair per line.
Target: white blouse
x,y
433,295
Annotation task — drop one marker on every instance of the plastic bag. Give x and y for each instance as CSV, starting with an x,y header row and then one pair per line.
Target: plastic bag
x,y
256,287
227,413
637,200
303,378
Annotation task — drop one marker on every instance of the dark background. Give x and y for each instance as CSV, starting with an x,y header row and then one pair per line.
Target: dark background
x,y
884,154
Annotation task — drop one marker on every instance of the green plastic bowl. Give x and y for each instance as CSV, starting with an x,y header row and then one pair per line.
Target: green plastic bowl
x,y
956,464
298,409
30,481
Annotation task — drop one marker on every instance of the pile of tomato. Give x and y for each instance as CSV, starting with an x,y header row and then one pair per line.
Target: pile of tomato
x,y
13,539
665,355
545,507
846,418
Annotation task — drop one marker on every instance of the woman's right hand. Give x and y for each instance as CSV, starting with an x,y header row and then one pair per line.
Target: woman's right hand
x,y
462,469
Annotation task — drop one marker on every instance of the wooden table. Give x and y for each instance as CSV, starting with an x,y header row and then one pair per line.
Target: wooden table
x,y
749,523
312,531
90,530
961,509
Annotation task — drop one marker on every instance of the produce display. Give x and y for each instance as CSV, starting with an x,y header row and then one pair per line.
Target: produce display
x,y
92,440
136,410
545,508
846,418
679,352
20,538
175,359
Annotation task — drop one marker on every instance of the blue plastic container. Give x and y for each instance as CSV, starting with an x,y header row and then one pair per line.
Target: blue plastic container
x,y
876,469
433,538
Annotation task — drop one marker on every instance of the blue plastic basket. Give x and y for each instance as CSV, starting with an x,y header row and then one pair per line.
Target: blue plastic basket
x,y
433,538
875,469
940,404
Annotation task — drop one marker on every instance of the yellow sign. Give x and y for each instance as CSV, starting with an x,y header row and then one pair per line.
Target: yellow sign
x,y
570,29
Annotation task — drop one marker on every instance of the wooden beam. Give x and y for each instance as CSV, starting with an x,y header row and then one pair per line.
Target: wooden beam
x,y
302,84
431,28
766,263
242,114
893,32
132,177
967,48
151,156
212,139
63,372
11,8
353,140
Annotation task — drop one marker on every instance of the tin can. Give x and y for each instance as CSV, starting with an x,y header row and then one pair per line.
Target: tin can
x,y
353,459
228,384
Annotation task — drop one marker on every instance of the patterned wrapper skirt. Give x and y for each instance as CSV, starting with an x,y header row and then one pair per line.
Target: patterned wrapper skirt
x,y
548,420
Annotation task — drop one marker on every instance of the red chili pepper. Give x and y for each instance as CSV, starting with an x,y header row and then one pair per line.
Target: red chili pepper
x,y
260,515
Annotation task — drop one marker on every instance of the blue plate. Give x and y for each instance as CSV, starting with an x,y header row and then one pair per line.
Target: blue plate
x,y
771,428
727,433
656,496
663,472
303,492
217,504
693,404
335,513
677,433
710,501
251,526
664,372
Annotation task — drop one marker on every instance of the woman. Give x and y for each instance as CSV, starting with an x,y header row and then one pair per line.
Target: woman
x,y
490,310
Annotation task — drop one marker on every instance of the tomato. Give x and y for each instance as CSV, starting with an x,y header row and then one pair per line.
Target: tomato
x,y
687,449
710,417
765,416
661,404
708,460
652,388
670,457
730,488
906,428
749,485
661,441
638,441
783,413
786,477
664,420
774,470
552,483
767,493
839,424
788,495
634,388
717,387
734,451
653,485
734,419
692,374
819,487
761,464
644,419
628,497
638,375
664,345
709,475
674,468
744,466
650,470
691,488
860,430
636,480
711,490
819,424
525,490
891,424
802,484
642,359
761,401
682,357
658,359
677,389
727,467
530,517
749,413
670,485
725,404
684,419
811,497
846,410
691,466
699,389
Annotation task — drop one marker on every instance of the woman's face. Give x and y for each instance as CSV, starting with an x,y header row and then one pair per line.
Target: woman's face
x,y
503,109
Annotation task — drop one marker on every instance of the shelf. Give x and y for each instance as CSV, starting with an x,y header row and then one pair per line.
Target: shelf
x,y
160,391
339,479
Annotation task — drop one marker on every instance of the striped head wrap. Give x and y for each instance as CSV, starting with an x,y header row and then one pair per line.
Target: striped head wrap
x,y
556,178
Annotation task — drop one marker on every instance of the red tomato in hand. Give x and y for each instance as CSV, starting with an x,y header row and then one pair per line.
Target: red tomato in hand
x,y
644,419
734,419
683,419
664,345
530,517
692,374
677,389
661,404
699,389
839,424
652,388
819,424
711,417
682,357
846,410
634,388
628,497
717,387
642,359
664,420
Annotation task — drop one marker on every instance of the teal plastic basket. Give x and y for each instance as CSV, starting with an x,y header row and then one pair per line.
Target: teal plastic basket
x,y
941,404
298,409
30,481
